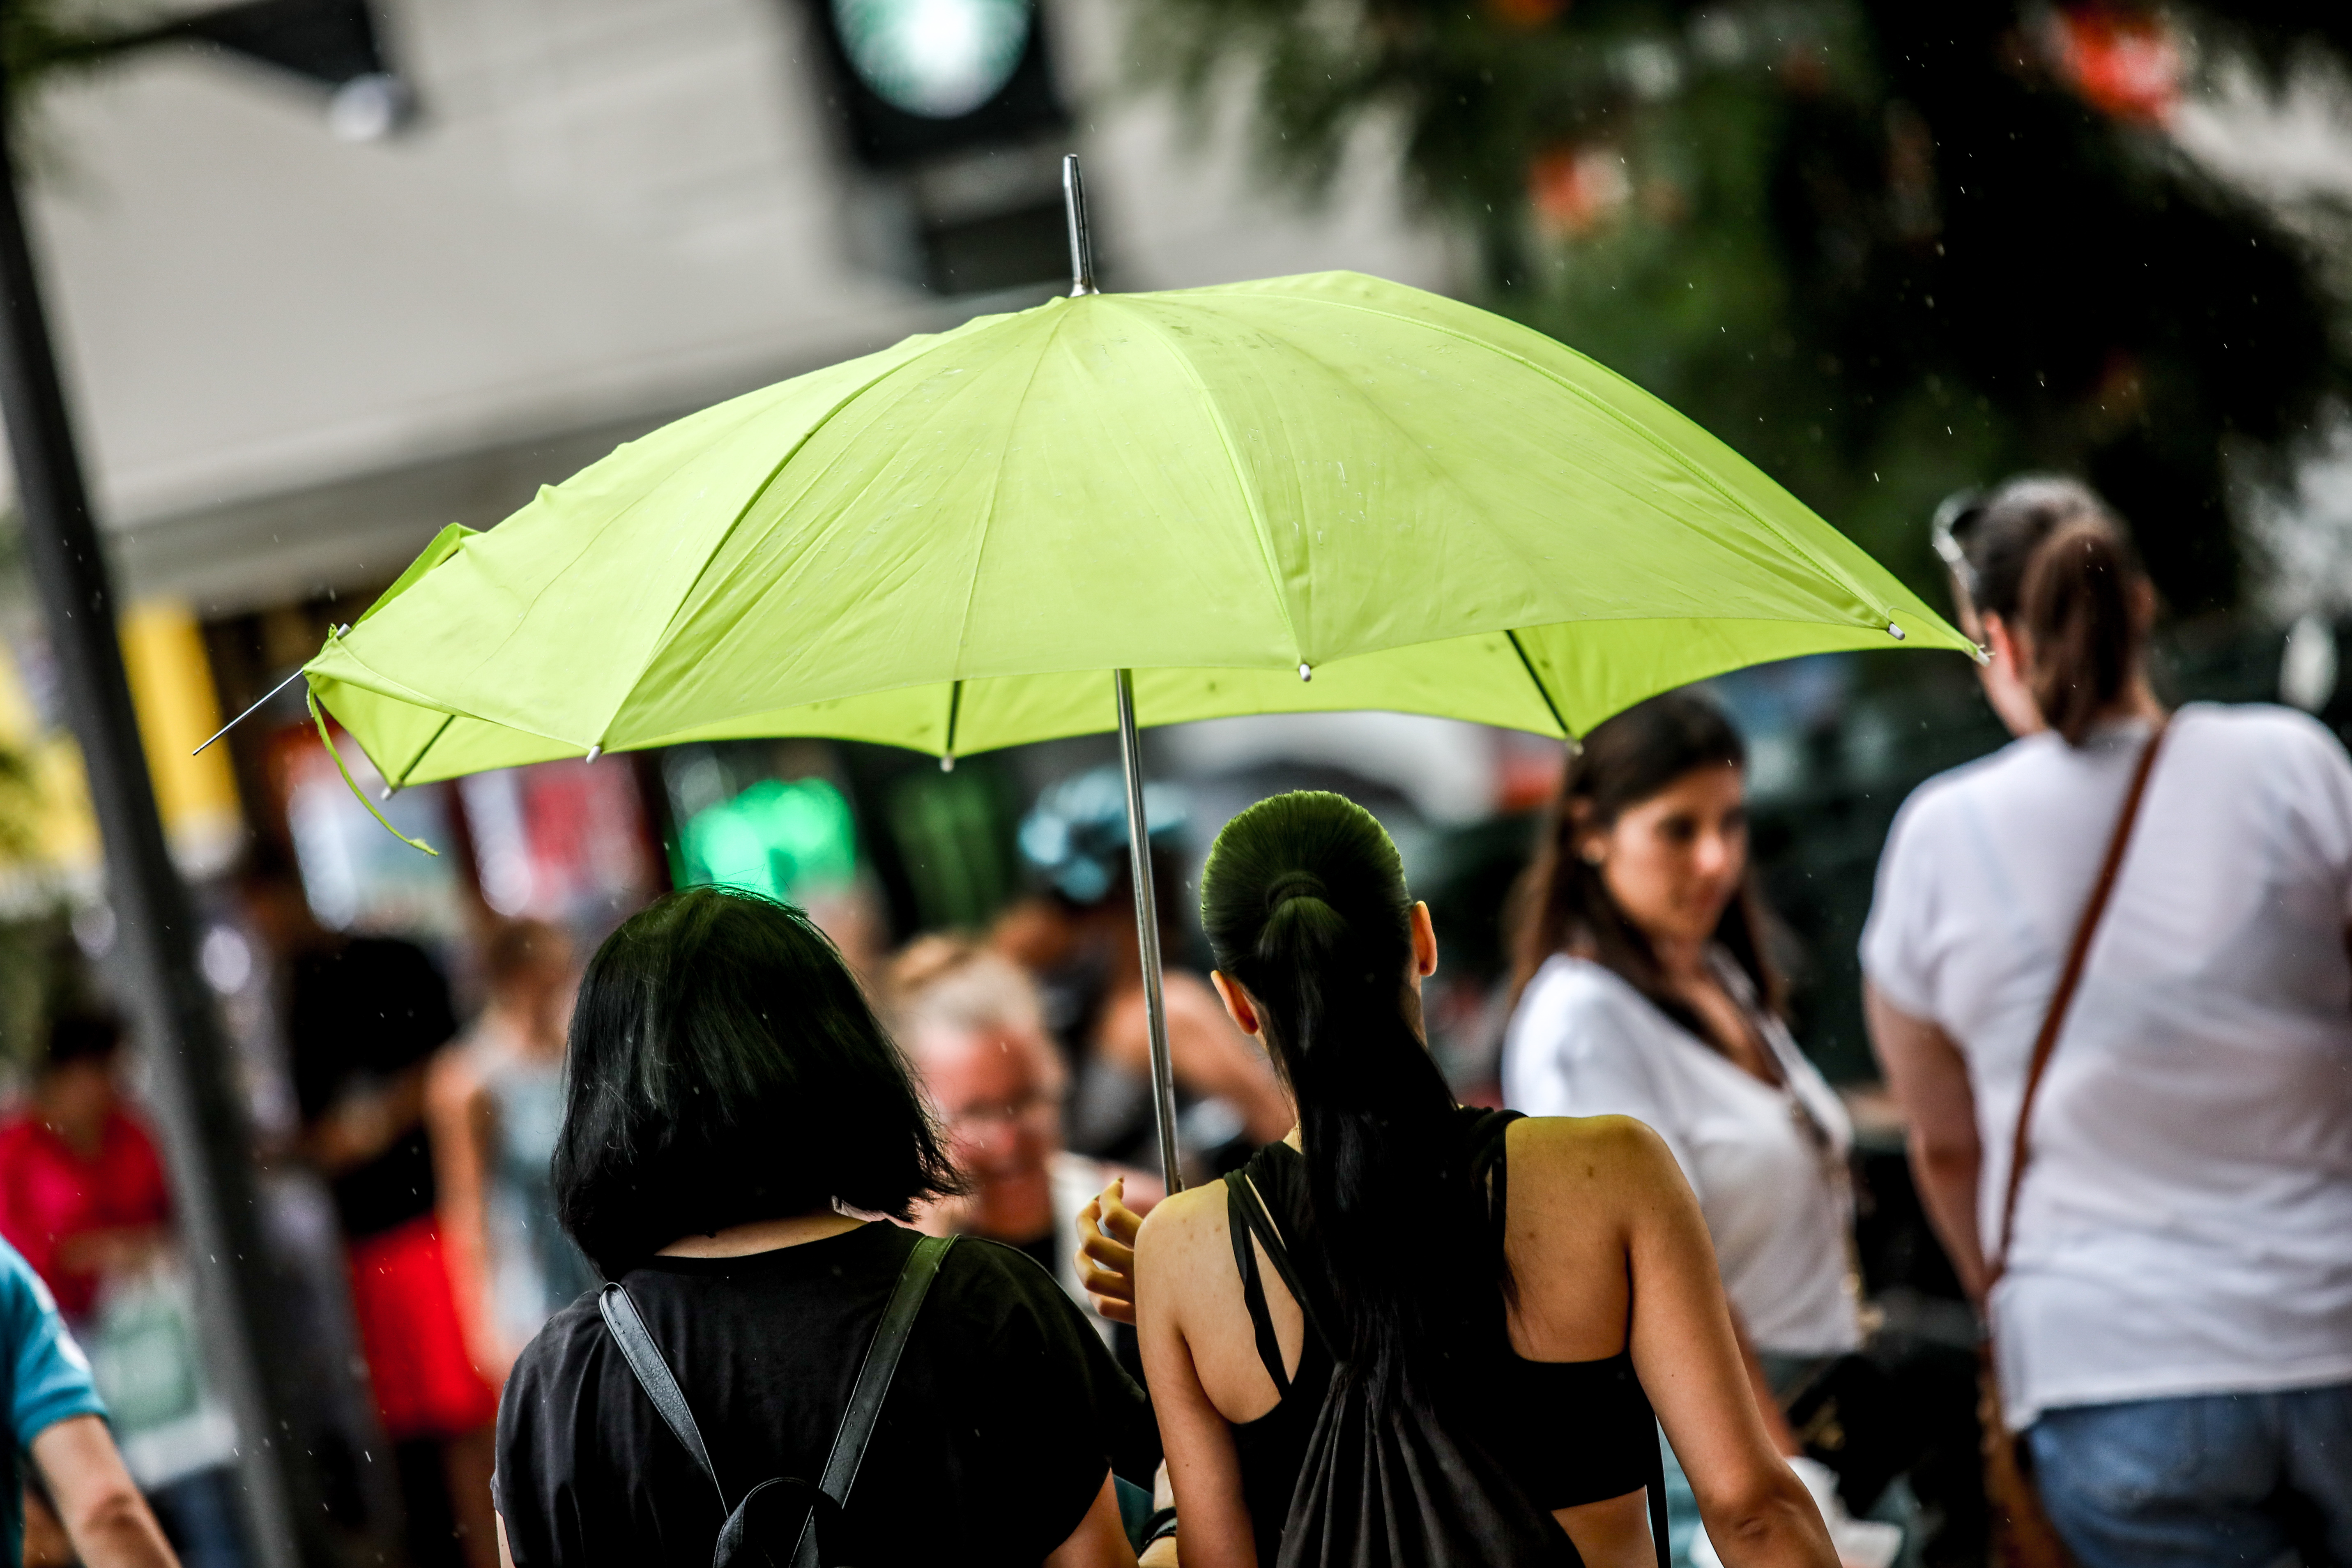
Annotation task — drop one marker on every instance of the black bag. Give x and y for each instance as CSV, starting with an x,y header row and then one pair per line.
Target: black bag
x,y
1408,1487
825,1499
1850,1417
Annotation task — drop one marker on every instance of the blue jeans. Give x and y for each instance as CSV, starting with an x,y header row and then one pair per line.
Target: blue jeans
x,y
2208,1480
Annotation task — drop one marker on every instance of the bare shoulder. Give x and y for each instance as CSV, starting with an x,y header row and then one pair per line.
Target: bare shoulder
x,y
1182,1224
1580,1158
1177,1255
1580,1190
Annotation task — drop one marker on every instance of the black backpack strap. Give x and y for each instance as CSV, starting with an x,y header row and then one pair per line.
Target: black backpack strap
x,y
873,1386
821,1511
849,1439
653,1374
1658,1500
1269,1347
1260,1225
1488,1167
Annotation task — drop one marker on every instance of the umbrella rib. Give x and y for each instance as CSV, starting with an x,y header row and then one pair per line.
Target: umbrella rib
x,y
382,685
423,751
547,586
988,518
669,626
1828,568
1249,492
1378,410
765,485
1542,689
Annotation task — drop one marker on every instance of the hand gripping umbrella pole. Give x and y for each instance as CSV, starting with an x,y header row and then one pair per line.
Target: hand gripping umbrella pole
x,y
1130,761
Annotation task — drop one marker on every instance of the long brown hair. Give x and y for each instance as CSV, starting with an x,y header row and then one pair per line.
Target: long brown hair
x,y
1563,905
2050,558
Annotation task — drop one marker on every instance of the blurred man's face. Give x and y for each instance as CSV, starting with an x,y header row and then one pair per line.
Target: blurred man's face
x,y
1002,1123
78,1095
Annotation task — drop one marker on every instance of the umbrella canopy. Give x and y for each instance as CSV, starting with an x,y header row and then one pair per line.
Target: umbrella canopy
x,y
1229,490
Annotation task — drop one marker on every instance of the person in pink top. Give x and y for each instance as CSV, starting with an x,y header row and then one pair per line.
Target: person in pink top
x,y
82,1191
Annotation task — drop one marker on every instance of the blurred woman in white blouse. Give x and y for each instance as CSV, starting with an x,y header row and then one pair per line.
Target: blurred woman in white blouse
x,y
1646,990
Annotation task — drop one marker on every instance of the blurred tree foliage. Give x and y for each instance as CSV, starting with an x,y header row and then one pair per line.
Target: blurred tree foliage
x,y
40,39
1884,248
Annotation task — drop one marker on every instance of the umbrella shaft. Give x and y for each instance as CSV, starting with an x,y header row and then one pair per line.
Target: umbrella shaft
x,y
1147,929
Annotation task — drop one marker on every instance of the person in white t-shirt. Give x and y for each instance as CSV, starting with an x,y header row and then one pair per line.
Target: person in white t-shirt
x,y
1646,990
2173,1323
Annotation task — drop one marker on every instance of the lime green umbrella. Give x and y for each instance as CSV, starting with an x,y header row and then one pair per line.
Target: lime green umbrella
x,y
1308,493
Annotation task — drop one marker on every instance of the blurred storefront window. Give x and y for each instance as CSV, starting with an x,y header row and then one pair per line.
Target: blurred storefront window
x,y
563,842
48,840
357,877
179,709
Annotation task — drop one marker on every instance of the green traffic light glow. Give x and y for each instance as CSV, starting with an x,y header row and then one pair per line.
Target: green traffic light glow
x,y
785,838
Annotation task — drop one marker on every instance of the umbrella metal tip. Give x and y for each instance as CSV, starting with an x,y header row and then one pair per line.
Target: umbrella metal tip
x,y
947,763
595,752
1306,673
1894,631
1074,212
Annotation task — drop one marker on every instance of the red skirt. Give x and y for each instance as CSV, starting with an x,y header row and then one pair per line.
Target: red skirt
x,y
425,1385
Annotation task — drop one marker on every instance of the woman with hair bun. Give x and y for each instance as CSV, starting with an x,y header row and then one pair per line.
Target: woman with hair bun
x,y
1412,1331
2108,982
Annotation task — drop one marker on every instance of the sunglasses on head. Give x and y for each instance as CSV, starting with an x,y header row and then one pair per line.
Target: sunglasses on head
x,y
1947,531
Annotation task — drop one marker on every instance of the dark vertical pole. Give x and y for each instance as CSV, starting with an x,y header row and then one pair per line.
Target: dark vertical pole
x,y
203,1115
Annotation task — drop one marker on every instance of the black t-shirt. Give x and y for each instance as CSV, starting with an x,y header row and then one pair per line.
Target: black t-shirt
x,y
1005,1414
368,1010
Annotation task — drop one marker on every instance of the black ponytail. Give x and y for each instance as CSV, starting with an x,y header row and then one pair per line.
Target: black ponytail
x,y
1304,902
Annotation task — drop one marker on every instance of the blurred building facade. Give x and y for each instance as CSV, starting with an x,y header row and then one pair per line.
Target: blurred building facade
x,y
297,347
295,356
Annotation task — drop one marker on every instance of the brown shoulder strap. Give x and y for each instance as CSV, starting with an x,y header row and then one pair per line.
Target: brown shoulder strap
x,y
2046,1043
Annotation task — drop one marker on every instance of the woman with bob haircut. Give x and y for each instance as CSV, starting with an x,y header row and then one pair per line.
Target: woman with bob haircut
x,y
734,1106
1526,1289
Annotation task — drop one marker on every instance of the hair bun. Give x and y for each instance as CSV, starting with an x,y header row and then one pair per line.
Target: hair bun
x,y
1292,885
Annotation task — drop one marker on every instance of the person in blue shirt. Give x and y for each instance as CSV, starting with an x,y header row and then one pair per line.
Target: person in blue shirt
x,y
54,1413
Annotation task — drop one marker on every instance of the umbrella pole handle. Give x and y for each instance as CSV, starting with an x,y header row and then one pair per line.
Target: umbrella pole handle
x,y
1147,931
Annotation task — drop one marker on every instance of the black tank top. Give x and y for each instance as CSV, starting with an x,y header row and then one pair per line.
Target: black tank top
x,y
1569,1431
